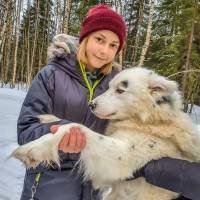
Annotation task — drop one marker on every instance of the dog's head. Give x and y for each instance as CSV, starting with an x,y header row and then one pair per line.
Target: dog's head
x,y
139,93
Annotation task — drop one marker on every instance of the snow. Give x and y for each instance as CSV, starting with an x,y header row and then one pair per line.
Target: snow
x,y
11,171
196,114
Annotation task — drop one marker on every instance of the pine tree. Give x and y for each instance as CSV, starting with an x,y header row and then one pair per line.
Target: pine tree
x,y
36,34
175,44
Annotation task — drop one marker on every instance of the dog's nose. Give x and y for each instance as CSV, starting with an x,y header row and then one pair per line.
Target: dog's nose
x,y
92,105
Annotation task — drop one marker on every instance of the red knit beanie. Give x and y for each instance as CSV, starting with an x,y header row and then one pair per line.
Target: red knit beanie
x,y
102,17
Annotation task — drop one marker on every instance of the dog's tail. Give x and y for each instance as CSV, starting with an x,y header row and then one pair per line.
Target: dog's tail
x,y
47,118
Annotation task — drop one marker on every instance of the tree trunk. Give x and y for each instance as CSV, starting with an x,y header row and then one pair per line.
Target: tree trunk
x,y
22,59
34,44
67,10
3,29
7,58
27,42
148,36
137,37
58,17
19,4
187,64
7,48
121,59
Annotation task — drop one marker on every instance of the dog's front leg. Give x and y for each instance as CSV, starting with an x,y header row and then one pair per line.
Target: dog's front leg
x,y
104,157
42,150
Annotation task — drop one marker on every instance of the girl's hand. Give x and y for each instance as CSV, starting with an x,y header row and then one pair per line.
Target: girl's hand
x,y
73,141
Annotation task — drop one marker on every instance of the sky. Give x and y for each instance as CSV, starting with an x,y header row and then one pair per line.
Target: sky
x,y
11,170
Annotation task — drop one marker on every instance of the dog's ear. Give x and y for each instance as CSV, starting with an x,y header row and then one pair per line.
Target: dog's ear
x,y
160,84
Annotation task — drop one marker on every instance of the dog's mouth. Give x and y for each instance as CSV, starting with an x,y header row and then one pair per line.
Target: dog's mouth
x,y
108,116
114,113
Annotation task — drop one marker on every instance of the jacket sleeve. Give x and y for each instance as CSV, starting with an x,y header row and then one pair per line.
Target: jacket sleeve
x,y
180,176
39,100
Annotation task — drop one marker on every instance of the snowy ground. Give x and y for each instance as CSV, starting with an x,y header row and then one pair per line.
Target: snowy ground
x,y
11,171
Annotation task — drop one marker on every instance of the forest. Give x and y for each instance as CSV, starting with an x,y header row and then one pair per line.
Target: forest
x,y
163,35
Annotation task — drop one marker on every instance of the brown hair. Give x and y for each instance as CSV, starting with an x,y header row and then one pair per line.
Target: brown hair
x,y
82,57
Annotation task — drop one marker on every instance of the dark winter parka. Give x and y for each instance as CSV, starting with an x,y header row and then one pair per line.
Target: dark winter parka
x,y
59,89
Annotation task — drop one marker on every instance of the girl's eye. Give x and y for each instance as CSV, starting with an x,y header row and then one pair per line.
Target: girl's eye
x,y
99,39
114,46
119,91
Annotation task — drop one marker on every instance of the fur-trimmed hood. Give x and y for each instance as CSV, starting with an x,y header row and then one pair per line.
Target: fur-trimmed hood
x,y
62,54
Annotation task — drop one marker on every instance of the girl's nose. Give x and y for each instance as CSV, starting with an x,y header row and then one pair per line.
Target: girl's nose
x,y
104,50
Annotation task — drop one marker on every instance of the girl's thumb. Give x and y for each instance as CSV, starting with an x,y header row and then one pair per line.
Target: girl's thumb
x,y
54,128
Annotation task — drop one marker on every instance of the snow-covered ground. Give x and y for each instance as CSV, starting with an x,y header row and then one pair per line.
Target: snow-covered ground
x,y
11,171
196,114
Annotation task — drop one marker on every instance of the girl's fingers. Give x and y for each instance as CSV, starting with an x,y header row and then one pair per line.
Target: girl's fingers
x,y
79,139
73,142
73,139
54,128
83,141
63,145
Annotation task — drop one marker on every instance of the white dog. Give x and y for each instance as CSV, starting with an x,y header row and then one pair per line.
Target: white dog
x,y
146,122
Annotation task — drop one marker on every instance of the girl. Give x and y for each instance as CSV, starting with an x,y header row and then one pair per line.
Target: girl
x,y
63,88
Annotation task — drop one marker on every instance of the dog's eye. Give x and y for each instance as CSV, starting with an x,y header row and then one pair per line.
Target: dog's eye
x,y
119,91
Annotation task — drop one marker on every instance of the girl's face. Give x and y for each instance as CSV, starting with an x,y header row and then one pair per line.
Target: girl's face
x,y
101,48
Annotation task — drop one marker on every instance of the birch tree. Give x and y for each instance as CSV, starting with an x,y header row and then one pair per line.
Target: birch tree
x,y
66,16
3,29
35,37
137,37
18,8
148,35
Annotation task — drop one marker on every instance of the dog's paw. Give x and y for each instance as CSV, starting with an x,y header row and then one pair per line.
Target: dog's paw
x,y
26,156
40,151
47,118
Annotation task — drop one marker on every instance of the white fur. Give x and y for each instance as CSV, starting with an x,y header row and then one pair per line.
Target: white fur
x,y
140,129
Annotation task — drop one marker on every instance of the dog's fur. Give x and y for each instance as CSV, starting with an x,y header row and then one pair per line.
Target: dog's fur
x,y
146,122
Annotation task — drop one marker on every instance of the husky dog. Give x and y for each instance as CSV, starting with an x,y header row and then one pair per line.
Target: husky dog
x,y
146,122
